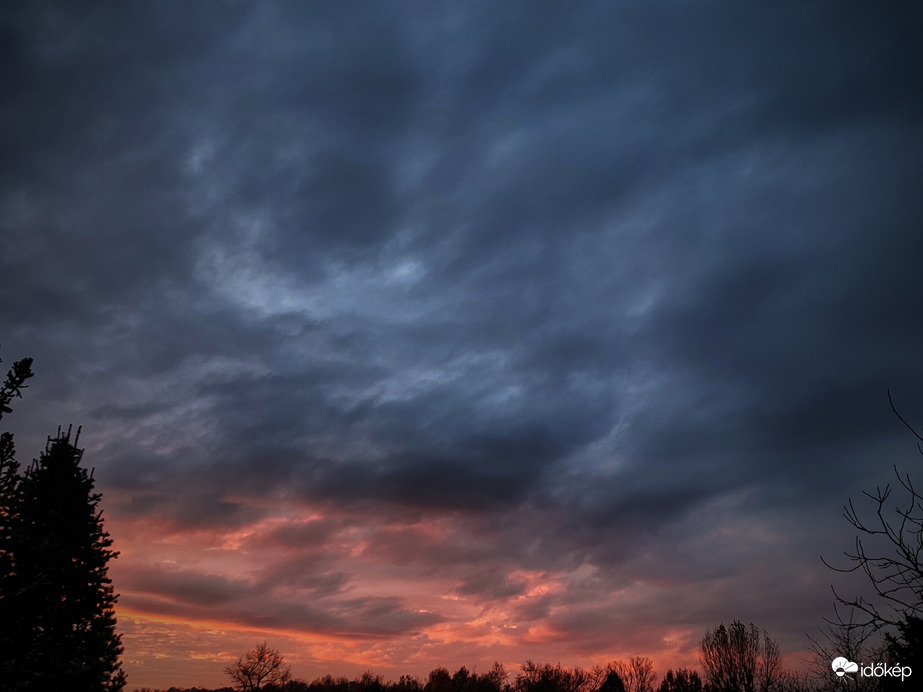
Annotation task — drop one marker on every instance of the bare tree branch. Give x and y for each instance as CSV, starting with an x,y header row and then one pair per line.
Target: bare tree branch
x,y
901,418
258,667
888,551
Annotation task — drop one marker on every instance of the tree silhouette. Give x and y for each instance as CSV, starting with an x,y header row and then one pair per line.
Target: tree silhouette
x,y
65,598
258,667
740,658
10,496
11,388
463,680
57,625
889,552
439,680
549,678
14,383
682,680
637,675
894,564
906,646
612,683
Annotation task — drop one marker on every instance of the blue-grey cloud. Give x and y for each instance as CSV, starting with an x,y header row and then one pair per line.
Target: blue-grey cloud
x,y
569,276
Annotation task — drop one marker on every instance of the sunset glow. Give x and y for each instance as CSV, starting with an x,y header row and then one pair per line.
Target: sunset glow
x,y
406,335
341,592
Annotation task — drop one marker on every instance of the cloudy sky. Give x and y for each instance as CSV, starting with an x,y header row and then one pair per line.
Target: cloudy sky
x,y
419,334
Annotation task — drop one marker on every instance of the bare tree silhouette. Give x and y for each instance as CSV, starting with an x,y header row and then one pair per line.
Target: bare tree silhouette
x,y
889,551
740,658
258,667
637,675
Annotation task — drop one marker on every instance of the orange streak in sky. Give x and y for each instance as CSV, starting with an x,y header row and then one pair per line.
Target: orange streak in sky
x,y
234,627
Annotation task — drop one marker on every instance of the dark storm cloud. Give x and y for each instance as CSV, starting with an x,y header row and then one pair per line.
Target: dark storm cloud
x,y
568,275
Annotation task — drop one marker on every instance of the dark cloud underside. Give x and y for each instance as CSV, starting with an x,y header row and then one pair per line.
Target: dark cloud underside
x,y
571,276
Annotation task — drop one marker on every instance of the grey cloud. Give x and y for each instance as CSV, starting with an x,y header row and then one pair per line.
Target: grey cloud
x,y
194,594
565,277
491,584
188,588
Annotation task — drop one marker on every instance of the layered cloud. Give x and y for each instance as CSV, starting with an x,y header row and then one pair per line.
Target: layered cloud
x,y
428,335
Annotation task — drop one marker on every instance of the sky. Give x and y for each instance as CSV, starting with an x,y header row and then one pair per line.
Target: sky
x,y
417,334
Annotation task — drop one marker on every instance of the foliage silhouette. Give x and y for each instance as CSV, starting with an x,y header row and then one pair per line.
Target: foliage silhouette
x,y
550,678
57,621
682,680
612,683
597,679
9,512
906,646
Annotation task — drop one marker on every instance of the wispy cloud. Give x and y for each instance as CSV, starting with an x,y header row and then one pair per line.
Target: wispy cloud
x,y
447,334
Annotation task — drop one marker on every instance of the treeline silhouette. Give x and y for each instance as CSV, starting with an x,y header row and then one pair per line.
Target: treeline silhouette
x,y
636,675
532,677
736,657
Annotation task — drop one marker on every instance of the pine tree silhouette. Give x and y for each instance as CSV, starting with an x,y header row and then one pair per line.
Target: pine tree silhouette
x,y
64,600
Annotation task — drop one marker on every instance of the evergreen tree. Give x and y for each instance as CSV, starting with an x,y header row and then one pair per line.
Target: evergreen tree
x,y
65,600
10,636
906,647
